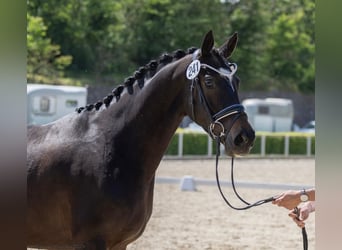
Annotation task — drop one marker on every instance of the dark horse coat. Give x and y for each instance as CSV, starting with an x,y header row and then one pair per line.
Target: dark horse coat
x,y
91,173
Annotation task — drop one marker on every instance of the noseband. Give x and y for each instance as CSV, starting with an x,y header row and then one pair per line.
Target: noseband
x,y
216,128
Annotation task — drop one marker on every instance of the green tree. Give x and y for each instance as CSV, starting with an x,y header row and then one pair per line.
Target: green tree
x,y
276,46
89,30
110,39
45,63
291,53
156,26
250,19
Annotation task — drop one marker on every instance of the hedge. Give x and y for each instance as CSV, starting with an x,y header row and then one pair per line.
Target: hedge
x,y
193,144
196,143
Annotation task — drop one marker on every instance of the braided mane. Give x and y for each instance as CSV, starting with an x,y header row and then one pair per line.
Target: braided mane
x,y
143,73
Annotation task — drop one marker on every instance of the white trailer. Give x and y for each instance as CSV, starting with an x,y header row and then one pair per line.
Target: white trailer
x,y
47,103
270,114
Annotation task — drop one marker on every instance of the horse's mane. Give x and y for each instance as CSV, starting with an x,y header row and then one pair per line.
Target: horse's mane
x,y
143,73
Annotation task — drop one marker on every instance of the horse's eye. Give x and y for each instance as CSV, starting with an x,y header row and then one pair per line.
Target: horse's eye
x,y
209,81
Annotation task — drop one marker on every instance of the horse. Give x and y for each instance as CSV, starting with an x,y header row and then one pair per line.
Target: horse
x,y
91,174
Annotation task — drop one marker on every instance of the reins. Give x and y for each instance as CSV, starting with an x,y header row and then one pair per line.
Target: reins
x,y
248,205
304,234
237,110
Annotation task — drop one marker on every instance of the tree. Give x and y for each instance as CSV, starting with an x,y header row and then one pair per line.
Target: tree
x,y
276,46
250,19
45,63
291,53
156,26
113,38
89,30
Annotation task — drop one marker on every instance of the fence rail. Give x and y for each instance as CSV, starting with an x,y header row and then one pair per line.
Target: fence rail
x,y
263,140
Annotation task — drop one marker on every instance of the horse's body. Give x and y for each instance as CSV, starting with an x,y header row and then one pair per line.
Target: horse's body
x,y
91,173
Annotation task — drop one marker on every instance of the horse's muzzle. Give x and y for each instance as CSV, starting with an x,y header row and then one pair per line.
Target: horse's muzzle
x,y
240,140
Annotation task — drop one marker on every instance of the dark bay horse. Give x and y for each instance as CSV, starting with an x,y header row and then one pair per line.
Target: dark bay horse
x,y
91,173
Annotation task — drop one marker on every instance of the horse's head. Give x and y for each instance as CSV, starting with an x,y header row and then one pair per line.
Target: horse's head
x,y
214,97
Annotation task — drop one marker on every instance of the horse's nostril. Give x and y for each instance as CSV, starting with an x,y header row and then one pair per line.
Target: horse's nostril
x,y
240,139
243,139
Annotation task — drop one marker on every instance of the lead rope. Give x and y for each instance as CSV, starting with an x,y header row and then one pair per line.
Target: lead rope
x,y
248,205
305,239
304,234
258,203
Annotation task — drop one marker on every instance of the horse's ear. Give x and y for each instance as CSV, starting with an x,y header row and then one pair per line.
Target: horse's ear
x,y
207,44
226,50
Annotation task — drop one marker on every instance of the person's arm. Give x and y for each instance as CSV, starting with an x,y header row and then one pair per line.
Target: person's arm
x,y
291,198
311,194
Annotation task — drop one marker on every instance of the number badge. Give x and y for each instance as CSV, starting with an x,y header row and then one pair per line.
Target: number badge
x,y
193,69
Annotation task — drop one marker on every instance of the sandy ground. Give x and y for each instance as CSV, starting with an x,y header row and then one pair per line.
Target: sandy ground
x,y
201,220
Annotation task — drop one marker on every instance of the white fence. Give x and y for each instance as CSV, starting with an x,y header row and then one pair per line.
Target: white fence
x,y
262,152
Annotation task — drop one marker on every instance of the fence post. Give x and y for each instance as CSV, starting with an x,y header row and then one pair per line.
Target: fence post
x,y
287,145
210,146
180,144
263,145
308,145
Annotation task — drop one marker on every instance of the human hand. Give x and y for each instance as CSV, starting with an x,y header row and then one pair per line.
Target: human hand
x,y
302,214
289,199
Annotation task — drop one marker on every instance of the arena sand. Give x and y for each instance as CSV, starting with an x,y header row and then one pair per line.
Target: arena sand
x,y
201,220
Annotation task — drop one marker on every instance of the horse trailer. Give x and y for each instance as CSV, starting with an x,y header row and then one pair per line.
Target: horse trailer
x,y
270,114
47,103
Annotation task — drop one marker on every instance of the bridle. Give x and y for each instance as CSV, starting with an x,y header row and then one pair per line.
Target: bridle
x,y
235,110
215,118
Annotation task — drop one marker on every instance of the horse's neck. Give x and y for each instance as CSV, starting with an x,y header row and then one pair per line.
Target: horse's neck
x,y
151,115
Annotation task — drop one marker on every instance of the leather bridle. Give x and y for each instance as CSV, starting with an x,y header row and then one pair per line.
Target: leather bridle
x,y
216,128
215,122
235,110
